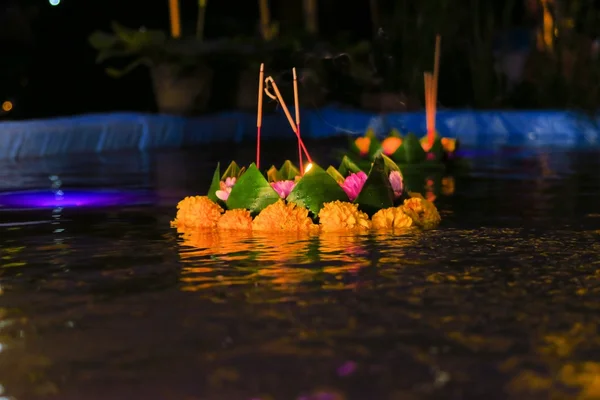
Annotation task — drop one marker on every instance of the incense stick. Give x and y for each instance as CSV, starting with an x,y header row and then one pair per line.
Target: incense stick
x,y
436,75
427,102
278,97
297,109
261,76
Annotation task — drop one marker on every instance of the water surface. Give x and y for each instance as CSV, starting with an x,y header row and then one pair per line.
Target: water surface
x,y
500,302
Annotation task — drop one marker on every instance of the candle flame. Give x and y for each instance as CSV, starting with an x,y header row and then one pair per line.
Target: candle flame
x,y
308,167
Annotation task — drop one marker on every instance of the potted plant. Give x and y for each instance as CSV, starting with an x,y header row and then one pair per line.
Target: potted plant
x,y
179,68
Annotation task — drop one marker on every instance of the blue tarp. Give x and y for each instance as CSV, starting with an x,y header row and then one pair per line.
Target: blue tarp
x,y
128,131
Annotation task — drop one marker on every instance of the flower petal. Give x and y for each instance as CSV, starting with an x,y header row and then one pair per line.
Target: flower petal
x,y
222,194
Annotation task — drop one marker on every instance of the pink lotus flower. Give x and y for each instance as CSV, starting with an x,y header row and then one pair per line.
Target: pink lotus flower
x,y
353,184
283,188
226,187
397,183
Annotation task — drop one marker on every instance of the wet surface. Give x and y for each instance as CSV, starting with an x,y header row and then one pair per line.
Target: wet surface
x,y
502,301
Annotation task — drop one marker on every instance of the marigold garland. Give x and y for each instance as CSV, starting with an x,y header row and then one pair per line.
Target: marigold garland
x,y
390,218
239,219
421,211
199,212
343,216
282,216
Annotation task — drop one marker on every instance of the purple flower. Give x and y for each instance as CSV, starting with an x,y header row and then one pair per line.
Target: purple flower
x,y
283,188
397,183
353,184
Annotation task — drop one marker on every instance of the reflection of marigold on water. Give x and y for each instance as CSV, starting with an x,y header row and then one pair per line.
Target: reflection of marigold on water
x,y
430,190
206,253
343,253
342,216
283,247
422,211
197,212
280,256
448,185
213,242
197,238
390,218
338,246
280,216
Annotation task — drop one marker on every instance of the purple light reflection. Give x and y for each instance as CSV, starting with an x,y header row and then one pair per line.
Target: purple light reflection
x,y
73,198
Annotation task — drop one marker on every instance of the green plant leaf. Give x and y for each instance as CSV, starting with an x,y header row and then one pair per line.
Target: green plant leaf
x,y
363,163
389,165
410,152
315,188
347,166
375,146
118,73
124,34
215,184
138,39
377,192
414,181
437,149
252,192
395,133
335,174
288,171
102,40
233,171
273,174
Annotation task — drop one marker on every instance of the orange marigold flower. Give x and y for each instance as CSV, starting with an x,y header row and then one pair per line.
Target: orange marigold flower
x,y
422,212
238,219
197,212
449,145
363,143
389,218
281,216
390,145
342,216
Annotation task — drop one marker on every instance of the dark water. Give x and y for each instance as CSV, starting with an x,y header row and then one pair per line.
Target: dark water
x,y
502,301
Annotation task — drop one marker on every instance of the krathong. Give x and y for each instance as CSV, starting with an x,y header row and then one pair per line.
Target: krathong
x,y
432,150
308,198
405,150
282,200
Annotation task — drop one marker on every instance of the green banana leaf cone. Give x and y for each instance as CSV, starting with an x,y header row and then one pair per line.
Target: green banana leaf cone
x,y
410,151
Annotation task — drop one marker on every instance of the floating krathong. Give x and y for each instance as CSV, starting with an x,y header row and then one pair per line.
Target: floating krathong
x,y
431,151
305,199
282,200
407,150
